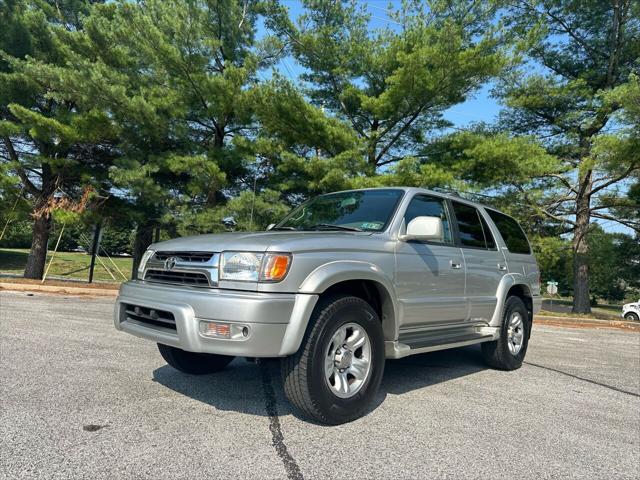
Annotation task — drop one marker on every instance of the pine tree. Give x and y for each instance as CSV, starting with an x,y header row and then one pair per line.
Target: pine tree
x,y
391,85
47,142
586,50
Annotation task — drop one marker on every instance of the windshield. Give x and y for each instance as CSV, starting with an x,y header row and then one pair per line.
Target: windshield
x,y
360,210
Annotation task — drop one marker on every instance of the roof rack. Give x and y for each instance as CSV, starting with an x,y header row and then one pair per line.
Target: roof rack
x,y
472,196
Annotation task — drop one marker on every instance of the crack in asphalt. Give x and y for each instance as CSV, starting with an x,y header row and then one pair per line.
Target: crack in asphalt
x,y
277,438
610,387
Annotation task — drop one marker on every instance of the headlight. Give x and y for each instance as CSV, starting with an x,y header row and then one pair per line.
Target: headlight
x,y
143,262
254,267
243,266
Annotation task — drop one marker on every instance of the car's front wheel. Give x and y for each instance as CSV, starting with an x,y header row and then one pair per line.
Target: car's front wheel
x,y
631,316
191,362
336,373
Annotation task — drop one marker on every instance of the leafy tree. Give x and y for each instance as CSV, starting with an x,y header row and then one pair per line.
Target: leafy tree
x,y
177,79
567,142
255,213
301,151
587,50
553,255
51,145
17,234
606,272
391,85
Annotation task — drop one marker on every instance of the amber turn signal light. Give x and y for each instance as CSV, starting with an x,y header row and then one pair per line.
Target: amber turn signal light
x,y
275,267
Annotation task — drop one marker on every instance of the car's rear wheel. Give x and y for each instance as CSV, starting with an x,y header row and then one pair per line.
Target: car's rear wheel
x,y
631,316
193,363
336,373
507,353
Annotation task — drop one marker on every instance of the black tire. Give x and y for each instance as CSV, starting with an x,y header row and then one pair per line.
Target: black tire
x,y
632,317
496,354
193,363
303,373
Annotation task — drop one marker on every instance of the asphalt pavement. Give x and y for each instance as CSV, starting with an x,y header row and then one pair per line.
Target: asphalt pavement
x,y
80,400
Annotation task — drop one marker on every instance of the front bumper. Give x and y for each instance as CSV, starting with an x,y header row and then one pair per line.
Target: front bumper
x,y
276,321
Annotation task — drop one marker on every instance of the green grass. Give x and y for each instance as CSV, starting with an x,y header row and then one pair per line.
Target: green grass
x,y
594,315
69,265
569,301
599,310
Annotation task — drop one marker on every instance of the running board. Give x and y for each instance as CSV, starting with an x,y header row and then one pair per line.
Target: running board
x,y
422,342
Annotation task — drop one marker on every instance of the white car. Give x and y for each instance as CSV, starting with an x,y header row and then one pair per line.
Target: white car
x,y
631,311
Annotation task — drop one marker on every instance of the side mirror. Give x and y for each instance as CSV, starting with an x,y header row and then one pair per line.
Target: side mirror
x,y
270,226
424,228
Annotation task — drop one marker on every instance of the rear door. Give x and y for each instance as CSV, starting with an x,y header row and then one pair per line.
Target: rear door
x,y
485,263
517,250
430,275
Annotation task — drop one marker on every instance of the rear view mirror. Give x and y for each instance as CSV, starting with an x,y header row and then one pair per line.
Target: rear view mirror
x,y
424,228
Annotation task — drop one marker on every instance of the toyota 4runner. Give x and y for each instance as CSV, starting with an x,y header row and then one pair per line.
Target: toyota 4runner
x,y
343,282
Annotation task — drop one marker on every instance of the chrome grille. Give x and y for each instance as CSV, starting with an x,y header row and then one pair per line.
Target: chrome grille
x,y
188,268
194,257
150,316
195,279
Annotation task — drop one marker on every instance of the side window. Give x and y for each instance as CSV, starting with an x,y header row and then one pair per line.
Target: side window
x,y
473,230
427,206
511,232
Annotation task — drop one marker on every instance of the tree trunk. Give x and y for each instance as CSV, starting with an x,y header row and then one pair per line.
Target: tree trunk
x,y
144,238
580,247
39,241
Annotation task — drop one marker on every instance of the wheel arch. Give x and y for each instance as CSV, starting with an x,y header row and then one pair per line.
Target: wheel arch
x,y
360,279
513,286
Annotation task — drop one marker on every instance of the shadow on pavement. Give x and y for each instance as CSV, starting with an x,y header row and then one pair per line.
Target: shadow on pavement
x,y
237,388
241,386
420,371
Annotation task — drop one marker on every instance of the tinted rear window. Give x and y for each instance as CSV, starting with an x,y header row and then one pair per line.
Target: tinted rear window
x,y
511,232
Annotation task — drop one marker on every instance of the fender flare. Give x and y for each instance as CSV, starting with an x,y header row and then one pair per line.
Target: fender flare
x,y
507,282
338,271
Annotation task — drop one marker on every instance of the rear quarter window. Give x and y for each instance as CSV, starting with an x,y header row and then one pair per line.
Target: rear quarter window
x,y
511,232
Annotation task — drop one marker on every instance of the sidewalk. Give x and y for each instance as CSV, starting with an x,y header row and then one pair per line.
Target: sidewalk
x,y
59,287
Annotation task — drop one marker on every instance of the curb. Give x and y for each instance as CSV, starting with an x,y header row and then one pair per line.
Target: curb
x,y
573,322
26,287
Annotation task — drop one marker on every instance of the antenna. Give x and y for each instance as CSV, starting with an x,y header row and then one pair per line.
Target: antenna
x,y
253,201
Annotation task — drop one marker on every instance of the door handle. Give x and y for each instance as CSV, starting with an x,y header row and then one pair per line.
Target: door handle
x,y
502,267
455,265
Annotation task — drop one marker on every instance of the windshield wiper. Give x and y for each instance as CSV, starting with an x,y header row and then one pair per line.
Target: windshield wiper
x,y
283,228
329,226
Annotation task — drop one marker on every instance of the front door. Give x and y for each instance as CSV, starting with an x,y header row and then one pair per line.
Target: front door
x,y
430,276
485,264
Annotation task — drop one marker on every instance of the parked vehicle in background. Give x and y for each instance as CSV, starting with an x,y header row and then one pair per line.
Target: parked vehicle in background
x,y
342,283
631,311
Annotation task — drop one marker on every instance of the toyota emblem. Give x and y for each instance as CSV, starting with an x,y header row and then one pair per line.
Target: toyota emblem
x,y
170,263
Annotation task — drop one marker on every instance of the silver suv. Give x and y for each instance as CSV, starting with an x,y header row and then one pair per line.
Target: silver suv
x,y
343,282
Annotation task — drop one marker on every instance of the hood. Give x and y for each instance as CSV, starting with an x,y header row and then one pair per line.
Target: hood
x,y
281,241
